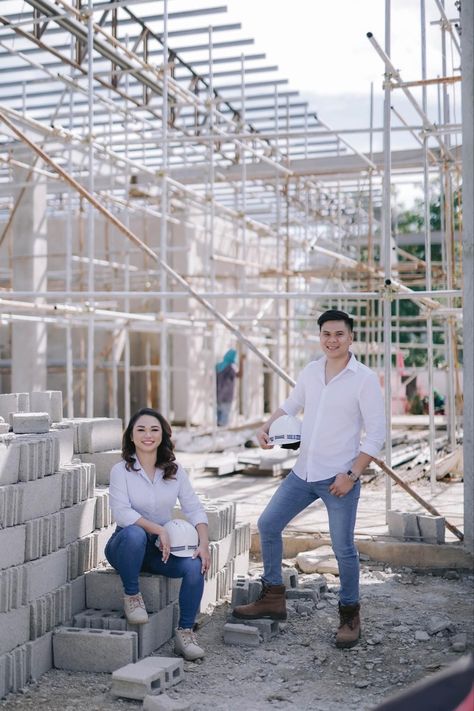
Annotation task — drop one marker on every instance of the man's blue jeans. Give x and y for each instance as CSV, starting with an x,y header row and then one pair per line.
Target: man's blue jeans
x,y
293,496
131,550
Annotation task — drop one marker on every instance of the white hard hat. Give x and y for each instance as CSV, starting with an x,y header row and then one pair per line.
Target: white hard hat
x,y
183,537
286,432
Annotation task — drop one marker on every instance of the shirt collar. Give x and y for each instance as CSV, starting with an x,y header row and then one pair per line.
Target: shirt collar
x,y
351,365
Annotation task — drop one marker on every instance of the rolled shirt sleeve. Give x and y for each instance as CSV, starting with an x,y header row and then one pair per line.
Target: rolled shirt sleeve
x,y
372,408
122,510
190,503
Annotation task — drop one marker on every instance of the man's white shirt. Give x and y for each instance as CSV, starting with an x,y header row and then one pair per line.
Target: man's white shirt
x,y
336,414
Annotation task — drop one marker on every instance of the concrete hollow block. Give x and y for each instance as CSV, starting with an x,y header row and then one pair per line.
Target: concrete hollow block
x,y
93,650
50,401
13,402
242,634
173,668
135,681
30,422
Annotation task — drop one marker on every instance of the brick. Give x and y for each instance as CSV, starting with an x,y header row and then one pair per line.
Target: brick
x,y
46,574
39,656
30,422
266,628
103,461
50,401
93,650
165,703
245,635
40,497
432,528
12,546
13,402
15,629
135,681
403,526
104,590
302,594
9,462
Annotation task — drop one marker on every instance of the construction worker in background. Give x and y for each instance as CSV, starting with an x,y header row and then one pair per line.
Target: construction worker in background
x,y
226,373
340,397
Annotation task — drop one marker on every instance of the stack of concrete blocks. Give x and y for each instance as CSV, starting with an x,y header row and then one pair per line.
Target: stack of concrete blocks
x,y
53,529
229,544
246,589
416,527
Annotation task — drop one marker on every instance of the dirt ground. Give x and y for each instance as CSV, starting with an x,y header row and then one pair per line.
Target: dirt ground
x,y
300,669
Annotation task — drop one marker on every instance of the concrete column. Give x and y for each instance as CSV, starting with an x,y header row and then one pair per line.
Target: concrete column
x,y
29,339
467,64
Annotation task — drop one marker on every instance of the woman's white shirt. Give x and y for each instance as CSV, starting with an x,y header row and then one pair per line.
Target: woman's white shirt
x,y
133,495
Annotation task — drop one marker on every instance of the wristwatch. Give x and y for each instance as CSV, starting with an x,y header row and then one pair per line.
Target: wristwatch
x,y
353,477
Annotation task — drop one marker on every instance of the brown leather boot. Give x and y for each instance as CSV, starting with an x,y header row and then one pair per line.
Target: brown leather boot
x,y
270,605
348,633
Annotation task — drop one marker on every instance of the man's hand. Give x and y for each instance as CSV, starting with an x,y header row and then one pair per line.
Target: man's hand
x,y
262,438
341,485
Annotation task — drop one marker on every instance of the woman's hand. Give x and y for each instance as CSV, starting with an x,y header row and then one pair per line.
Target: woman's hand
x,y
164,543
205,555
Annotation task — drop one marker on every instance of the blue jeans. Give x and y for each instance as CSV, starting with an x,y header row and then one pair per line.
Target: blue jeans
x,y
131,550
293,496
223,413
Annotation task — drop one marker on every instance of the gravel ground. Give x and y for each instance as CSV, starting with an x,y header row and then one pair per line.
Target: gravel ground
x,y
300,669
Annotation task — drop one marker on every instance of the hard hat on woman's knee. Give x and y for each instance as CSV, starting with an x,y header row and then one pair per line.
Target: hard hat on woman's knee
x,y
286,432
183,537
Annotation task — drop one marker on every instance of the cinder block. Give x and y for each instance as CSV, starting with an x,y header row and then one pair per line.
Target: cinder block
x,y
30,422
403,526
93,650
13,402
17,669
50,610
12,546
77,521
245,635
267,628
173,668
40,497
78,594
165,703
104,590
9,462
103,461
432,528
13,587
303,594
103,512
290,577
78,483
15,629
156,632
46,574
39,656
97,434
64,434
11,502
4,682
135,681
241,564
50,401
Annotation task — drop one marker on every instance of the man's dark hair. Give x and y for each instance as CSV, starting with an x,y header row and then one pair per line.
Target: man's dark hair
x,y
335,315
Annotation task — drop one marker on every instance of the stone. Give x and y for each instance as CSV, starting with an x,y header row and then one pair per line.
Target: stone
x,y
459,642
165,703
319,560
437,624
421,636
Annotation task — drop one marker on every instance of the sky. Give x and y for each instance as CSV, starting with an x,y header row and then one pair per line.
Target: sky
x,y
322,48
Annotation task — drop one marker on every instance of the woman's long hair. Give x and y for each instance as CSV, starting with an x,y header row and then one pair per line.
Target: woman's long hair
x,y
165,458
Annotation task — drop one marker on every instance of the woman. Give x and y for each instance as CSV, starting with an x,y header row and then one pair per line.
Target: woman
x,y
144,488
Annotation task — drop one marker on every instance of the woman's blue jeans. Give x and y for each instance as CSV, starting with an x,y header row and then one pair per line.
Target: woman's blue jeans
x,y
131,550
293,496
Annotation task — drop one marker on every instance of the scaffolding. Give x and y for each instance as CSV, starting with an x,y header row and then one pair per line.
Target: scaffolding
x,y
192,199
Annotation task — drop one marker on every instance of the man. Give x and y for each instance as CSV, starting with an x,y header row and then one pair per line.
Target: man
x,y
340,398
